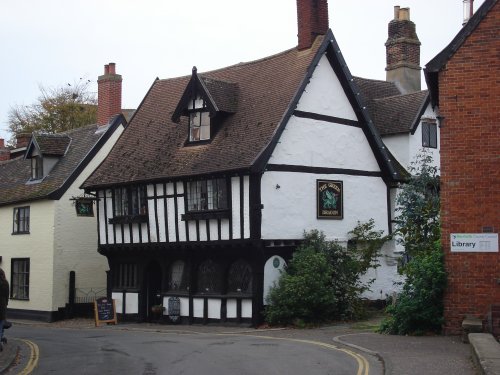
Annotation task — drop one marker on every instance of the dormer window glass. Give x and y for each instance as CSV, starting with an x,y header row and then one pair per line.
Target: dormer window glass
x,y
36,168
199,120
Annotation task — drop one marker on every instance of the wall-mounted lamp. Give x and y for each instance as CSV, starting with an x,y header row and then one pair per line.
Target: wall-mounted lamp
x,y
277,186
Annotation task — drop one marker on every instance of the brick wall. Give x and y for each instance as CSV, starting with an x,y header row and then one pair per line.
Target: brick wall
x,y
469,92
109,92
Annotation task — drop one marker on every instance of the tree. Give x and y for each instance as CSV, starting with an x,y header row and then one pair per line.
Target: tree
x,y
419,306
56,110
417,207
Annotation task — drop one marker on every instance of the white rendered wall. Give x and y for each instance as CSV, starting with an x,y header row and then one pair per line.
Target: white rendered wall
x,y
324,94
416,139
399,146
324,144
291,209
272,272
75,238
38,246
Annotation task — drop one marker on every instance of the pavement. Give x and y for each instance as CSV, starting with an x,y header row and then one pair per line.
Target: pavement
x,y
397,355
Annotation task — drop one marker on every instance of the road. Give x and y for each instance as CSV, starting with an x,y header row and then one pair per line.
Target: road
x,y
119,351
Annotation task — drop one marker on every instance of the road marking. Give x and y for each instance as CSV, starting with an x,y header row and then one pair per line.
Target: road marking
x,y
33,359
363,365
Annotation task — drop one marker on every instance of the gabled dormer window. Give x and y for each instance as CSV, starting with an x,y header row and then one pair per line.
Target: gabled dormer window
x,y
206,102
199,121
36,168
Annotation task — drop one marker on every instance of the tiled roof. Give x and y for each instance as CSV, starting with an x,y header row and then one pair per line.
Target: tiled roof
x,y
225,94
153,146
15,185
52,144
397,114
391,111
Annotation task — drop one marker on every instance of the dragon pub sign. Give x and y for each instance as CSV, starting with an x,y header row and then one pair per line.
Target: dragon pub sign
x,y
329,199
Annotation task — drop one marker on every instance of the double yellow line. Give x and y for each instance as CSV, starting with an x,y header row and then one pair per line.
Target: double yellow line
x,y
33,359
363,365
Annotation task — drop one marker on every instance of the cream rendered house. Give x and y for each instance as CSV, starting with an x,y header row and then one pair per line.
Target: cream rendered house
x,y
42,238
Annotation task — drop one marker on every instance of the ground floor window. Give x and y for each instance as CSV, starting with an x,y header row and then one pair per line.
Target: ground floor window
x,y
178,276
209,277
125,276
239,277
20,278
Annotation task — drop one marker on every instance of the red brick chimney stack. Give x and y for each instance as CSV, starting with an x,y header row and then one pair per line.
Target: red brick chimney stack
x,y
109,94
22,139
312,20
403,52
4,151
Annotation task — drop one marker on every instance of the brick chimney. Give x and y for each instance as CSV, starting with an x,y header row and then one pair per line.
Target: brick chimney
x,y
403,52
4,151
312,20
109,94
22,139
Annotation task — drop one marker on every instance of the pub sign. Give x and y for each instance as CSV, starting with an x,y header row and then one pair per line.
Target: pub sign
x,y
329,199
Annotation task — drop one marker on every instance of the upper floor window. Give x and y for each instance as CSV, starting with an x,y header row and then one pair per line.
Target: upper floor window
x,y
130,201
36,168
199,120
207,195
20,278
429,135
21,220
199,126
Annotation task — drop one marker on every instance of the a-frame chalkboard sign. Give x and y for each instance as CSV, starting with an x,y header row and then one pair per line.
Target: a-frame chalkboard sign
x,y
105,311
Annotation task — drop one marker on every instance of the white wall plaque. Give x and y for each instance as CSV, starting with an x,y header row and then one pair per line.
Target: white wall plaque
x,y
474,242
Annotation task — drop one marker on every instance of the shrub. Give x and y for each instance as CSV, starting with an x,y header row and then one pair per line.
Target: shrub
x,y
419,307
323,279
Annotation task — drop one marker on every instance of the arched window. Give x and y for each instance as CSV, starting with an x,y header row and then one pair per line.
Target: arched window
x,y
209,277
239,278
178,276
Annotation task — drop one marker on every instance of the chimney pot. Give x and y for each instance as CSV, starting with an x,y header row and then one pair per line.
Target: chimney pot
x,y
112,68
106,69
468,10
396,12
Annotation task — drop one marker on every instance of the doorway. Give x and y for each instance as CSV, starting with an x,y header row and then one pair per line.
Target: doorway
x,y
152,293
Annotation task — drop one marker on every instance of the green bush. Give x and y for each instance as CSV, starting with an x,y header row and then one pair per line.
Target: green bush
x,y
323,279
419,307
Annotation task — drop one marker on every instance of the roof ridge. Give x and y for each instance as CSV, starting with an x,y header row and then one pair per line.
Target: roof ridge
x,y
402,95
314,47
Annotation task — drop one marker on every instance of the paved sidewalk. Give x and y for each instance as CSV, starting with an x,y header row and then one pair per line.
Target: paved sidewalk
x,y
399,355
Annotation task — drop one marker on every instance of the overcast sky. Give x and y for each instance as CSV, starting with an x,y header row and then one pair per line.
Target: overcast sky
x,y
55,42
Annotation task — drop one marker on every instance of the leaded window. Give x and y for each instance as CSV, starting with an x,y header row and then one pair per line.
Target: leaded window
x,y
130,201
36,168
207,195
178,276
199,120
239,278
21,222
125,276
20,278
209,277
429,135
